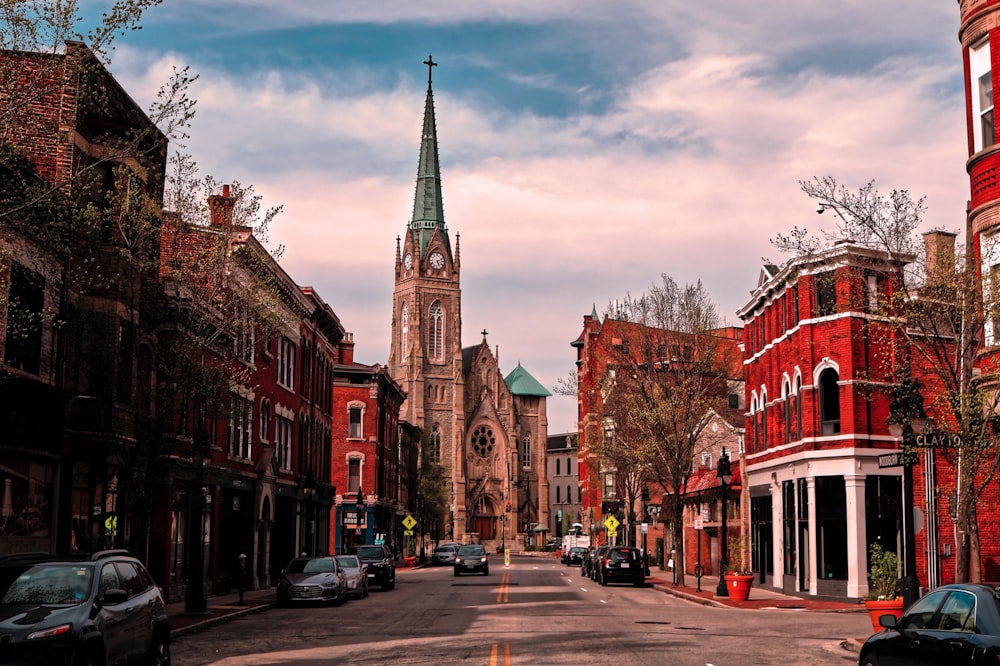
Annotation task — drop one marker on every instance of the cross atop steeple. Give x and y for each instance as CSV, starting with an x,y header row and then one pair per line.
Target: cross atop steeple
x,y
430,68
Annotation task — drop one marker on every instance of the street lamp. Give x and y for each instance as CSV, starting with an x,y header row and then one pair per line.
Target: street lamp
x,y
360,506
645,512
725,475
906,418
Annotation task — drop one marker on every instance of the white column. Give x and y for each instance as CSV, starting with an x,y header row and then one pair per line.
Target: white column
x,y
857,541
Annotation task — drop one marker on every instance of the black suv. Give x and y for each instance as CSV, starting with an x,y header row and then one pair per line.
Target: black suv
x,y
379,560
621,564
101,608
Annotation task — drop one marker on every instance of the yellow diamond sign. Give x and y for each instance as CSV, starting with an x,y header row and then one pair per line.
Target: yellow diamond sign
x,y
408,522
611,523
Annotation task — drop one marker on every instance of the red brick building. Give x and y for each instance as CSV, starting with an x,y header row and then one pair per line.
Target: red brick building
x,y
366,459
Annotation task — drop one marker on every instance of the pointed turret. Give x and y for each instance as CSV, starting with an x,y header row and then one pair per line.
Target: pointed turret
x,y
428,209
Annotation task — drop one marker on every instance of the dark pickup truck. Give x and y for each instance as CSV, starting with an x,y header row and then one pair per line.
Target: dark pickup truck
x,y
379,560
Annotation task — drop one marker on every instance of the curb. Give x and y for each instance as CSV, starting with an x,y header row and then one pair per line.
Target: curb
x,y
219,619
690,597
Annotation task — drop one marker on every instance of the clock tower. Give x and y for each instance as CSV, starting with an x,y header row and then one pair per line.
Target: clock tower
x,y
426,348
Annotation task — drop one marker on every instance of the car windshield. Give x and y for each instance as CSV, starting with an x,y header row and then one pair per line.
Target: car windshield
x,y
622,554
577,549
472,550
63,585
369,552
348,561
309,566
446,549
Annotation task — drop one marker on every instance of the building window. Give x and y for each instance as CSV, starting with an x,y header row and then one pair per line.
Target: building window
x,y
788,527
404,329
354,475
435,446
788,413
569,467
526,450
265,420
286,362
25,301
557,467
243,335
283,441
831,520
435,332
240,424
798,408
829,402
354,420
982,95
558,499
826,294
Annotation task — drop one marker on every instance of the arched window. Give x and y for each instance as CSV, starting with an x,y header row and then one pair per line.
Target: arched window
x,y
798,407
558,489
435,332
763,419
786,389
557,468
569,466
435,450
754,423
526,450
829,402
569,493
404,329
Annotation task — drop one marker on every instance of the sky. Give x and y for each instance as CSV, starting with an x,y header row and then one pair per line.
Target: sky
x,y
586,148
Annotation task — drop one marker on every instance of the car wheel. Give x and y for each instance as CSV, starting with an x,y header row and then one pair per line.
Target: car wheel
x,y
870,660
456,573
364,592
89,655
486,571
388,585
639,583
603,580
159,654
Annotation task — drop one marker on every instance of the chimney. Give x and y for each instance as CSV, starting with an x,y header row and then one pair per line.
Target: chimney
x,y
347,349
939,246
221,208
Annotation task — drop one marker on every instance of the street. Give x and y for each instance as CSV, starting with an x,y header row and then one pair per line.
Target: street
x,y
536,612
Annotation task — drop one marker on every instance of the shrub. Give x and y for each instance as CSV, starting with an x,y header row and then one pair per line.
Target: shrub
x,y
883,572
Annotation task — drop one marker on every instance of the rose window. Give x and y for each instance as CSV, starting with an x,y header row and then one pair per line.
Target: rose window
x,y
483,441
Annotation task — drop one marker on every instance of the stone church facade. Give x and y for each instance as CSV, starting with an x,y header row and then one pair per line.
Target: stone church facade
x,y
487,431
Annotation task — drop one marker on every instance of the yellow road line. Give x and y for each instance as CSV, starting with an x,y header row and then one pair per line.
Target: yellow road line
x,y
503,594
494,654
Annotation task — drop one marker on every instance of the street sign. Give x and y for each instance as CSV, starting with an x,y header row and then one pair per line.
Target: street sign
x,y
890,460
407,532
699,523
409,522
644,527
611,523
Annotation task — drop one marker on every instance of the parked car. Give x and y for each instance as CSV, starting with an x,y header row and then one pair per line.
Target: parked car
x,y
953,624
356,574
307,579
593,563
100,608
445,553
472,559
379,560
621,564
575,555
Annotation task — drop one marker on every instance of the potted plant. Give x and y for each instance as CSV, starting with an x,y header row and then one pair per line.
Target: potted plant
x,y
883,574
738,575
411,554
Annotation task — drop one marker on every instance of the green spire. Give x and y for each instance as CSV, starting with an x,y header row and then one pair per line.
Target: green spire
x,y
428,210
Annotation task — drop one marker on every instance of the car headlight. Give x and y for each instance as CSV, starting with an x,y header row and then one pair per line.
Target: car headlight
x,y
458,560
49,633
483,560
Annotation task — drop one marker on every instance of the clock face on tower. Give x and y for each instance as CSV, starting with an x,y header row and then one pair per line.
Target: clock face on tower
x,y
408,261
437,261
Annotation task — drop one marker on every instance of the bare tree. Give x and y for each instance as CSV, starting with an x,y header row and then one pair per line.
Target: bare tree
x,y
942,316
670,367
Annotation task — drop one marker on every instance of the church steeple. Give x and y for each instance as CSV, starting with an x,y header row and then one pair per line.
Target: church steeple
x,y
428,209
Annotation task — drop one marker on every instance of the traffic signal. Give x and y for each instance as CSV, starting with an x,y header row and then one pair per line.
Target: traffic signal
x,y
508,507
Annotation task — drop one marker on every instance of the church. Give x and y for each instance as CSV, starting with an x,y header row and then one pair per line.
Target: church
x,y
486,430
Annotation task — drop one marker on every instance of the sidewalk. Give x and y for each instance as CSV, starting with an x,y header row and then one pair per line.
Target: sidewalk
x,y
220,608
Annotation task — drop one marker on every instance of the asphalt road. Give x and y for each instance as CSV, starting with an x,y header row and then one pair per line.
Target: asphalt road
x,y
535,612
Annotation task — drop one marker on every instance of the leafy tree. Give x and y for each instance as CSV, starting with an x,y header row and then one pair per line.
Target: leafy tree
x,y
935,323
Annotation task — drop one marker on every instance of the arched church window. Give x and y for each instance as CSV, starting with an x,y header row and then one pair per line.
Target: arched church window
x,y
526,450
435,450
435,332
404,329
483,441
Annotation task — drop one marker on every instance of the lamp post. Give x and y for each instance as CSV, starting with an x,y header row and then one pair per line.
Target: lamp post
x,y
725,475
645,511
360,507
906,418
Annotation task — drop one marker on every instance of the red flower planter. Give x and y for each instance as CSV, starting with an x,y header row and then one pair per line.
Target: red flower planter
x,y
877,607
738,586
